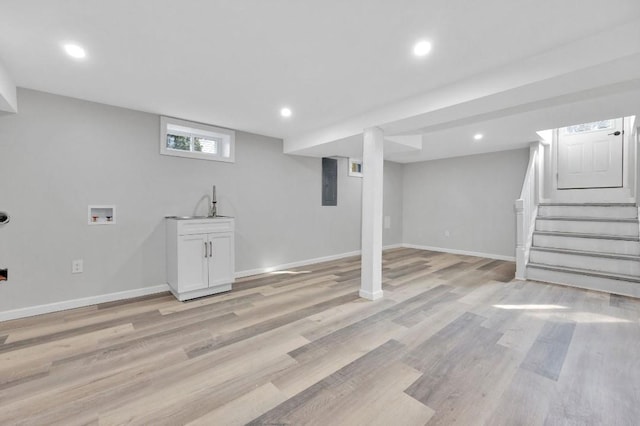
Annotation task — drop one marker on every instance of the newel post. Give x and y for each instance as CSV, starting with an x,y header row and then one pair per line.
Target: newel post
x,y
520,240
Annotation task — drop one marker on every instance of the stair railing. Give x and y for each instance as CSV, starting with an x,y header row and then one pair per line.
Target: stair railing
x,y
526,211
635,139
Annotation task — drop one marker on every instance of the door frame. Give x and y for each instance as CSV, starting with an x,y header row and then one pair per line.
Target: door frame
x,y
613,177
626,194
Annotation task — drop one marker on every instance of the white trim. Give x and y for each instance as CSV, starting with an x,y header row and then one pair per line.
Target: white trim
x,y
371,296
350,163
145,291
462,252
227,136
79,303
193,294
392,246
258,271
623,194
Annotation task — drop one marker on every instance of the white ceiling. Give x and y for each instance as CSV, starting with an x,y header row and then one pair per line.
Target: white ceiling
x,y
235,63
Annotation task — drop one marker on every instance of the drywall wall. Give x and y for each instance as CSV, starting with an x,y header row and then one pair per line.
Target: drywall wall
x,y
392,203
464,203
59,155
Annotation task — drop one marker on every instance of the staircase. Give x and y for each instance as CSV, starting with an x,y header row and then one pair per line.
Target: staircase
x,y
595,246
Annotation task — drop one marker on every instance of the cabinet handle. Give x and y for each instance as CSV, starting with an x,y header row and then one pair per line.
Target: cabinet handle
x,y
205,249
210,249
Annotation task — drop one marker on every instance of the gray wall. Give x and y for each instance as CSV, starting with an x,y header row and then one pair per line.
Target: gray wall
x,y
470,197
392,204
58,155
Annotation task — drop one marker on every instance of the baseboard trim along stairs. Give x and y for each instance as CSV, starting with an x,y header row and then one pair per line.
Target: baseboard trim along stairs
x,y
593,246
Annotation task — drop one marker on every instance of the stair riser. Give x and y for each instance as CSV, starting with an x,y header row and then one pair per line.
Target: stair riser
x,y
600,264
584,281
629,229
596,245
614,212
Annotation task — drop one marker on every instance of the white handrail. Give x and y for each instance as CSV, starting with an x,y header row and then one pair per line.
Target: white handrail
x,y
526,211
635,138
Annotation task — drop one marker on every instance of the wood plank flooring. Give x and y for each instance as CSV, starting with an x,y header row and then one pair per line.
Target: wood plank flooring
x,y
455,340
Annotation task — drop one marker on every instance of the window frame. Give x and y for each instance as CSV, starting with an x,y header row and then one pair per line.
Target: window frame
x,y
565,130
227,136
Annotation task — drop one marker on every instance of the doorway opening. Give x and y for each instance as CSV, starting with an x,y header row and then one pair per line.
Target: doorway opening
x,y
590,155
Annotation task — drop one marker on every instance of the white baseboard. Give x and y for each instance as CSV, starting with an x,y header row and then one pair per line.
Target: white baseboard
x,y
129,294
371,296
393,246
284,266
80,303
258,271
462,252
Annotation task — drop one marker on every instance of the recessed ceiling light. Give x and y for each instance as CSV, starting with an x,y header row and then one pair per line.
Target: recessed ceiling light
x,y
478,136
421,48
285,112
75,51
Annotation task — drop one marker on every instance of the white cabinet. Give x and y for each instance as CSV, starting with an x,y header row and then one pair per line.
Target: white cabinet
x,y
200,256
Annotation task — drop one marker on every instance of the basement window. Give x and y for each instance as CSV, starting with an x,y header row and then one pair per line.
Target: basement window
x,y
194,140
589,127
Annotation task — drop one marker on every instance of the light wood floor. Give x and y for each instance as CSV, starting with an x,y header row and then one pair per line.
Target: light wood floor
x,y
454,341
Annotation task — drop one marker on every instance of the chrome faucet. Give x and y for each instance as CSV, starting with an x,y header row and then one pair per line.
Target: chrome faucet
x,y
213,211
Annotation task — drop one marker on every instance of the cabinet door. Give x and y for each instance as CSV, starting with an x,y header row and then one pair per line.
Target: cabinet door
x,y
192,262
220,263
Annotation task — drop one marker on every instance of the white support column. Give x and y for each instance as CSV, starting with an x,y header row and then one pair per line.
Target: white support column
x,y
372,184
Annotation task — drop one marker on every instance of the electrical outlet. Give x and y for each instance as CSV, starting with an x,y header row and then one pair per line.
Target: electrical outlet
x,y
77,266
387,222
447,233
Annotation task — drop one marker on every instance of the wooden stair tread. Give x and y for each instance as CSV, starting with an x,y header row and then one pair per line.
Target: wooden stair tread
x,y
587,253
589,204
589,272
583,235
589,219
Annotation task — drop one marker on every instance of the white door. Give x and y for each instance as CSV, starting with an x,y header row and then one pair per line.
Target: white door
x,y
193,262
590,155
220,264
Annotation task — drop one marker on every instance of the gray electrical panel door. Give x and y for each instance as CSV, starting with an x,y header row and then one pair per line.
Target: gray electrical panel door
x,y
329,182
